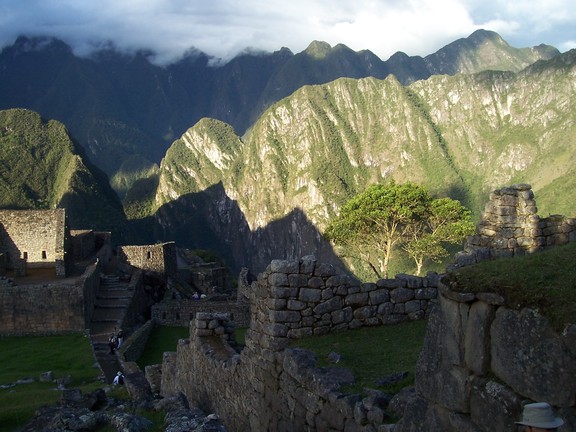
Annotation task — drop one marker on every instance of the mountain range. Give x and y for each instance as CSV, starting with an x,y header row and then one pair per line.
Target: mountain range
x,y
252,158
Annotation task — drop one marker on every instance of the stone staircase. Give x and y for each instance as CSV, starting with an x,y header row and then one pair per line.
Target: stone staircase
x,y
112,301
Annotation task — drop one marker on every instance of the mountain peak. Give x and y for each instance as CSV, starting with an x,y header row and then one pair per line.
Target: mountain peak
x,y
318,49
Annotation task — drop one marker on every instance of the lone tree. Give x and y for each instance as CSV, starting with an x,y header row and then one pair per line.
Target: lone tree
x,y
447,222
385,216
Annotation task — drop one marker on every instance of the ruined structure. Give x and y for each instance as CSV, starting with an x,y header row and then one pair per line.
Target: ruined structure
x,y
159,258
50,276
510,227
33,239
481,361
269,386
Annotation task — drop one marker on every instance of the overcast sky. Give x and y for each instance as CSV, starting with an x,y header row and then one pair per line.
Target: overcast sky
x,y
223,28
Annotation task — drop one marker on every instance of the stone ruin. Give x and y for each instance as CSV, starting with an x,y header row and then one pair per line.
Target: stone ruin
x,y
509,226
269,386
482,361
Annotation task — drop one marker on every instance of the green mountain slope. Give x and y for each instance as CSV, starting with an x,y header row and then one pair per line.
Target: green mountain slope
x,y
125,111
40,169
461,136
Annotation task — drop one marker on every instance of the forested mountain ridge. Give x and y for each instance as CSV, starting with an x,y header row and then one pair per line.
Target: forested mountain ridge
x,y
269,192
461,136
126,111
41,168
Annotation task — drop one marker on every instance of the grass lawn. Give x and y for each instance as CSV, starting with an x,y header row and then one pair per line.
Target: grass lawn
x,y
28,357
162,339
372,353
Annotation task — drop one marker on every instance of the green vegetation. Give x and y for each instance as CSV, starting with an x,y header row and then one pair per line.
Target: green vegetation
x,y
372,353
162,339
377,222
544,281
28,357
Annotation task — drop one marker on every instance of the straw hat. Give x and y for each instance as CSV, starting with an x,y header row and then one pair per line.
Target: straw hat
x,y
540,415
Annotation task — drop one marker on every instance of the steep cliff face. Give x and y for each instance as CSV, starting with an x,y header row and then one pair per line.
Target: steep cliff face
x,y
460,136
126,111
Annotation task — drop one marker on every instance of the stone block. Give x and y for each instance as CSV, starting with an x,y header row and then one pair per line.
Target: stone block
x,y
324,270
307,265
284,266
388,283
412,306
356,300
386,308
285,316
365,312
477,337
328,306
296,305
278,280
401,295
316,282
334,281
310,295
342,315
379,296
426,293
297,280
368,287
493,406
279,292
543,368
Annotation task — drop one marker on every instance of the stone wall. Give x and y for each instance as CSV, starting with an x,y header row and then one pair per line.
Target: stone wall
x,y
181,312
134,345
48,309
510,226
38,237
137,312
159,258
481,361
271,387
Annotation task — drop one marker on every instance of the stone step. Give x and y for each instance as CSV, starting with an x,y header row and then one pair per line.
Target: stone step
x,y
108,315
114,302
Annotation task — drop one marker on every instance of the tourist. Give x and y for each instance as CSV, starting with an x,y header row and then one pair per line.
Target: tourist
x,y
120,338
538,417
118,379
112,343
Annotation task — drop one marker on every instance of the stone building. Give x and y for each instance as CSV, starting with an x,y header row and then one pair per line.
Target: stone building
x,y
159,258
33,239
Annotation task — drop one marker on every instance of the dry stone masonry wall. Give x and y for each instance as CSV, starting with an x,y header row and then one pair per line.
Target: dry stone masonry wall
x,y
160,258
268,386
303,298
481,361
33,238
510,227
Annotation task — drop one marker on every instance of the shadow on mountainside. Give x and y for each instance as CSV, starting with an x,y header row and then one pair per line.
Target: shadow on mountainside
x,y
211,220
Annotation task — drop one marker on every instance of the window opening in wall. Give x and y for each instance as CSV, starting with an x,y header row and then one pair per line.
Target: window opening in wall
x,y
163,315
43,254
148,254
25,255
191,316
177,316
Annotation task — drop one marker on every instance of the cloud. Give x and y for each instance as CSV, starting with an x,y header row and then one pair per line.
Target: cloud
x,y
223,28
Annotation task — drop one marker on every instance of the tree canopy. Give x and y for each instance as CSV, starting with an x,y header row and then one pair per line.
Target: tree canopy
x,y
388,217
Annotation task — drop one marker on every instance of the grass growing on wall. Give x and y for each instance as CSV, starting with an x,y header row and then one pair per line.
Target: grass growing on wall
x,y
372,353
543,281
28,357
